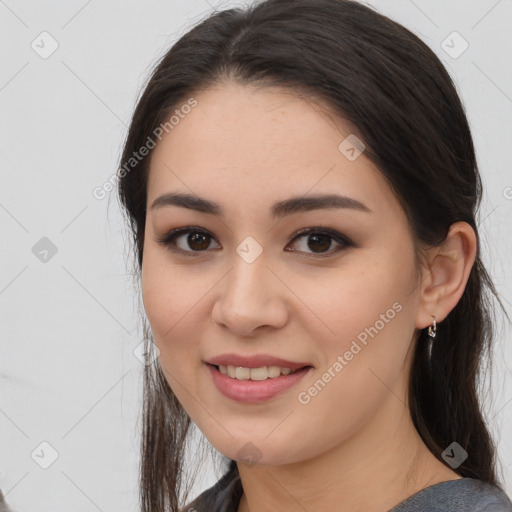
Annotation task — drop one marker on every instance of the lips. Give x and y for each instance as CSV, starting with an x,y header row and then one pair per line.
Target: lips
x,y
255,361
255,391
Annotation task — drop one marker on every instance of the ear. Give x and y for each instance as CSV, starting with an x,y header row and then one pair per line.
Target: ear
x,y
445,279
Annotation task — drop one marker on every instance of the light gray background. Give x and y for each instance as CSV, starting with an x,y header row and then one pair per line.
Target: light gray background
x,y
68,374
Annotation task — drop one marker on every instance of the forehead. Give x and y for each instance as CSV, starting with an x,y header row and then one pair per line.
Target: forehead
x,y
242,143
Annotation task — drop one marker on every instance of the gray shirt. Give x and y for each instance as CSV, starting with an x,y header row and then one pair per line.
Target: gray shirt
x,y
3,505
463,495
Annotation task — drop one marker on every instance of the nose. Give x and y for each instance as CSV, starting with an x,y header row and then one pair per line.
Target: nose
x,y
250,298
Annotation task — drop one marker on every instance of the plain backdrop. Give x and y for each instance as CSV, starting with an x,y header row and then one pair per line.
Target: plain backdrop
x,y
70,378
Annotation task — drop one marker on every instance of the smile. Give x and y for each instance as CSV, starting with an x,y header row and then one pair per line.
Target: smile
x,y
262,373
255,390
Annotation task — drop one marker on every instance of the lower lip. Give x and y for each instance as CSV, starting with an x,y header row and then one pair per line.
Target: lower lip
x,y
254,391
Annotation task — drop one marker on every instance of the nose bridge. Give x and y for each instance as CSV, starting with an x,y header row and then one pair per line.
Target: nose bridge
x,y
250,297
247,281
248,277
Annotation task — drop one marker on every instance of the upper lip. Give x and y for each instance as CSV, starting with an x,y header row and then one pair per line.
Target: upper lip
x,y
256,361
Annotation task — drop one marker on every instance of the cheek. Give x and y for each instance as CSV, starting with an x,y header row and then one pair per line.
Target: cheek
x,y
164,290
171,324
175,313
164,297
346,303
157,294
366,316
372,314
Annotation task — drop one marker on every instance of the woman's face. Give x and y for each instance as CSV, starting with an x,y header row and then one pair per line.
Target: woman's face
x,y
342,299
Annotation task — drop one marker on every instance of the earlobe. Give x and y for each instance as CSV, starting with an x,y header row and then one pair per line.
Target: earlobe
x,y
445,279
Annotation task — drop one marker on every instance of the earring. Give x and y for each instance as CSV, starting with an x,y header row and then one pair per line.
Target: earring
x,y
432,328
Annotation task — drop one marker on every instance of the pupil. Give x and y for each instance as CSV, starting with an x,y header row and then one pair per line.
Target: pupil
x,y
197,238
325,238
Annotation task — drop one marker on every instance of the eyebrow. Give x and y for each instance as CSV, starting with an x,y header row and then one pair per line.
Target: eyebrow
x,y
279,209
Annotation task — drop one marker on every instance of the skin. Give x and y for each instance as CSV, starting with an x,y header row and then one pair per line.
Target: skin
x,y
353,447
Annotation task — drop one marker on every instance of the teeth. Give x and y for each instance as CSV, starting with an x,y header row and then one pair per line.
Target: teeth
x,y
262,373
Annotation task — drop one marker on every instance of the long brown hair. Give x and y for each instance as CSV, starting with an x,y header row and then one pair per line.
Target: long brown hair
x,y
385,81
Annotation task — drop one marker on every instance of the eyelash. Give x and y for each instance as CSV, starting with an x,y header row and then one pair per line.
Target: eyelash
x,y
169,240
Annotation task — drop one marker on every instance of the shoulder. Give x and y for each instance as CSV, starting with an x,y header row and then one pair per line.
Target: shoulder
x,y
463,495
224,496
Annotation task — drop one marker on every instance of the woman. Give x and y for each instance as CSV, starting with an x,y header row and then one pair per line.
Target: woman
x,y
301,186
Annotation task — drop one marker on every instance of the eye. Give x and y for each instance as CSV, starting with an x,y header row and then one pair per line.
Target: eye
x,y
197,239
319,241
